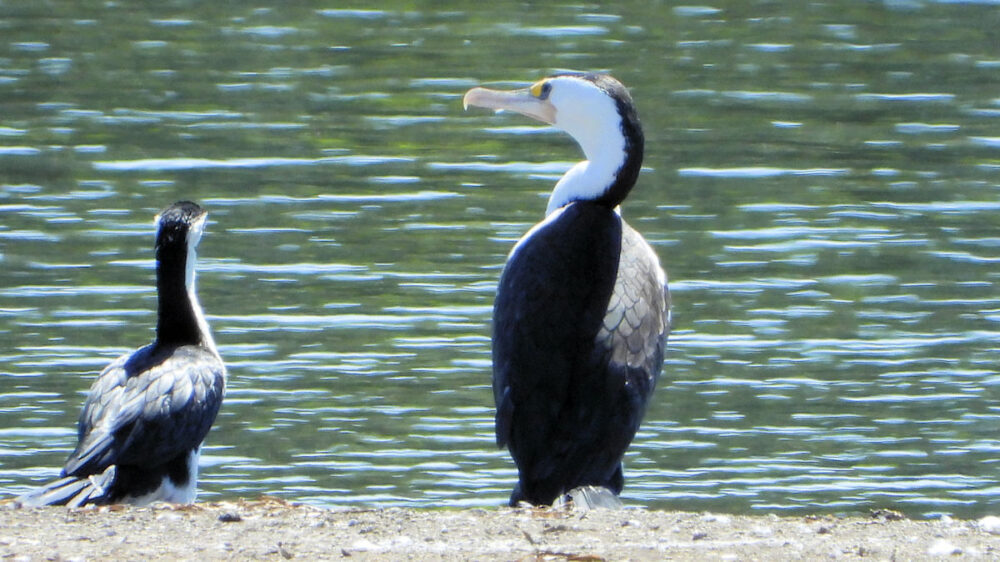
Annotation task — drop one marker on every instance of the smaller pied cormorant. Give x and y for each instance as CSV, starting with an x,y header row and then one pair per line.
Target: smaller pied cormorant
x,y
144,420
582,310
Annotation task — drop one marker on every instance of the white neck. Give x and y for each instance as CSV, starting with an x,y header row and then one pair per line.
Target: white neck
x,y
199,315
589,179
189,284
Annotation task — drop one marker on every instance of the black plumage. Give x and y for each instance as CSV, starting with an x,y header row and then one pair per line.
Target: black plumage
x,y
581,315
148,412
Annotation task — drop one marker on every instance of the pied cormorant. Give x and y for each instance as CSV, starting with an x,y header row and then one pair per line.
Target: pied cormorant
x,y
582,311
142,426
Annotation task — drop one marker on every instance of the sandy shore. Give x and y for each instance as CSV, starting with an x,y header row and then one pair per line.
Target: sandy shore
x,y
275,530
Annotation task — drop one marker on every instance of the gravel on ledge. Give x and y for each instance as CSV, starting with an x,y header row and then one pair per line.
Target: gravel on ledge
x,y
272,529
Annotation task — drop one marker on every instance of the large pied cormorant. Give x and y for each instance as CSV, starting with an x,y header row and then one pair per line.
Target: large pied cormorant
x,y
582,311
142,426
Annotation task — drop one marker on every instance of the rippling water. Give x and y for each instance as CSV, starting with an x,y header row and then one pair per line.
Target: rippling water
x,y
821,183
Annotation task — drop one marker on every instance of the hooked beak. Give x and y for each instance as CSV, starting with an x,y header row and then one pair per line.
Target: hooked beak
x,y
519,101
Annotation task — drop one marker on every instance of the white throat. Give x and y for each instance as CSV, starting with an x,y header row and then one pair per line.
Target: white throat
x,y
589,179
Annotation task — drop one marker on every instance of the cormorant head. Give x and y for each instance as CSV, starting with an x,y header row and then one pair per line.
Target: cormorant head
x,y
179,229
597,111
179,226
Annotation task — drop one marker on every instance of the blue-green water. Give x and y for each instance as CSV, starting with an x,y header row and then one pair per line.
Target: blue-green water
x,y
821,184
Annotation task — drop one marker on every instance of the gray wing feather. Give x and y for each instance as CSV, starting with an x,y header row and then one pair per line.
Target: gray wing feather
x,y
637,323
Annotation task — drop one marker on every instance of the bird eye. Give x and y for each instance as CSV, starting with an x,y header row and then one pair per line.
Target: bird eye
x,y
541,89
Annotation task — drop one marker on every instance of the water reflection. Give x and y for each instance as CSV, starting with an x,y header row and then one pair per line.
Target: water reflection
x,y
820,183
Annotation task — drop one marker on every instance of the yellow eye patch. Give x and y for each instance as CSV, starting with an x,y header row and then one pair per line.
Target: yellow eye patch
x,y
536,89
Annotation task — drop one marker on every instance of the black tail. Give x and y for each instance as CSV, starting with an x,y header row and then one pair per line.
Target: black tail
x,y
72,491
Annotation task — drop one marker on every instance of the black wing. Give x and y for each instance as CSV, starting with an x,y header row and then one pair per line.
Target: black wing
x,y
568,401
148,408
580,325
552,295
